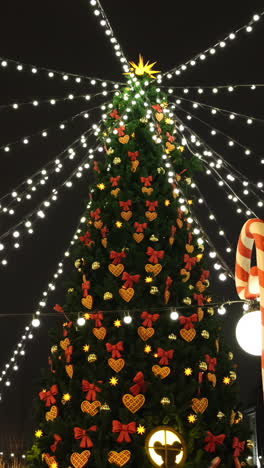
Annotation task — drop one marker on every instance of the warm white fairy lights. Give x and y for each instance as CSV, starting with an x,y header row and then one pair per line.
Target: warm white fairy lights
x,y
213,89
211,51
100,14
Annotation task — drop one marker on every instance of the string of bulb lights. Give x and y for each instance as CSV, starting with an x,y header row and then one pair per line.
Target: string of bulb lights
x,y
215,88
211,51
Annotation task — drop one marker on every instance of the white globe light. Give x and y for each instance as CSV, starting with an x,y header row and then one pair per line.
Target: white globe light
x,y
81,321
35,323
248,333
127,319
174,315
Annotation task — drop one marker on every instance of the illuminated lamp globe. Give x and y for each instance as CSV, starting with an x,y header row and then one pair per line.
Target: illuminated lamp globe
x,y
248,332
35,323
81,321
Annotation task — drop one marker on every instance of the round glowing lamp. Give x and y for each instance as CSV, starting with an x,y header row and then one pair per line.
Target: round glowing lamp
x,y
248,332
165,447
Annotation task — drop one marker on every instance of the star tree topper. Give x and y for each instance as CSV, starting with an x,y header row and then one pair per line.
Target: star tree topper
x,y
141,68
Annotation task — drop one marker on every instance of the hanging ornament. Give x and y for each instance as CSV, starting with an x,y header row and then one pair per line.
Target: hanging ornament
x,y
133,403
79,264
161,372
205,334
91,408
116,161
145,333
108,296
154,290
54,349
52,414
187,300
165,401
116,364
105,407
92,358
80,460
119,458
96,265
199,405
220,415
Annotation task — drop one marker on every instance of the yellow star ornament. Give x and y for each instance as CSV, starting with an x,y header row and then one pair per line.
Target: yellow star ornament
x,y
141,429
142,68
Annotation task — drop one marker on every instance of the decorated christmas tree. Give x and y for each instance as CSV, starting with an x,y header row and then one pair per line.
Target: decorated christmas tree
x,y
139,373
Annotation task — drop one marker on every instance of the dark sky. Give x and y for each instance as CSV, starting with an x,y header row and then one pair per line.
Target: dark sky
x,y
64,35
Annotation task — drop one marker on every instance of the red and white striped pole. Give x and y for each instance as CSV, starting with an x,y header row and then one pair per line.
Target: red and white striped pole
x,y
250,280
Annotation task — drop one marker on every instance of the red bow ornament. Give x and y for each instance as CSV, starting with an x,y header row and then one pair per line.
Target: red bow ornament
x,y
188,322
121,130
165,356
115,181
140,227
117,257
124,430
68,353
212,362
213,441
92,390
115,114
86,239
205,275
130,280
49,396
155,255
239,446
152,205
140,384
147,181
96,214
199,298
171,138
96,167
58,308
79,433
85,287
157,108
67,325
57,440
133,155
149,319
189,262
98,319
115,349
125,205
104,231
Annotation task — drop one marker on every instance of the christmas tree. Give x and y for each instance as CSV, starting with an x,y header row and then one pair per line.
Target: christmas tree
x,y
147,379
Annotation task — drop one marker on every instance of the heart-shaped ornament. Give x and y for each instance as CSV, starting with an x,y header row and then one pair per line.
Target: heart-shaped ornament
x,y
199,405
147,190
133,403
151,215
88,302
138,237
104,242
116,270
115,192
65,343
170,147
189,248
145,333
126,215
159,116
161,372
51,461
127,294
155,269
69,370
91,408
100,333
116,364
124,140
79,460
52,413
119,458
98,224
188,335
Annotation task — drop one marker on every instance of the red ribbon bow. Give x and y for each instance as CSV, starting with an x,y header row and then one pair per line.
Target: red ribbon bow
x,y
92,390
199,298
189,261
104,231
130,280
239,446
121,130
152,205
57,440
79,433
213,441
212,362
126,205
85,287
157,107
58,308
67,325
147,181
115,349
171,138
86,239
188,322
117,256
133,155
98,318
68,353
115,114
140,384
140,227
165,356
205,275
155,255
96,167
124,430
169,282
115,181
49,396
96,214
149,319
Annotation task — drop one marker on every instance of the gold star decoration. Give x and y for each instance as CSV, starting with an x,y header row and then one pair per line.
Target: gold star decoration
x,y
38,433
226,380
101,186
188,371
192,418
141,429
119,224
66,397
54,465
147,349
117,323
86,348
190,202
148,279
167,203
87,316
169,121
142,68
199,258
113,381
180,148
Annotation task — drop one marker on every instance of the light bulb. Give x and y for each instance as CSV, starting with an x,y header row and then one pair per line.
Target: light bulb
x,y
174,315
248,332
81,321
35,323
221,310
127,319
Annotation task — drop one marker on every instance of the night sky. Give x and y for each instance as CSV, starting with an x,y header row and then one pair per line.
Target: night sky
x,y
65,35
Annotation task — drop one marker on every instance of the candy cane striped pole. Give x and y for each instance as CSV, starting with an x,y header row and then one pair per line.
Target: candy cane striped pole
x,y
248,278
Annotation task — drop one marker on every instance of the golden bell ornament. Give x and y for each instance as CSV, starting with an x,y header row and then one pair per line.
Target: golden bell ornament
x,y
92,358
154,290
207,283
79,263
96,265
153,238
239,417
233,375
108,296
203,365
105,407
250,444
205,334
187,300
201,247
116,161
165,401
70,290
210,311
191,287
172,336
161,170
230,355
188,180
220,415
54,349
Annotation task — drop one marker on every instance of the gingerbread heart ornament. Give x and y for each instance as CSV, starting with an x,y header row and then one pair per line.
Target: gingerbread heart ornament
x,y
98,224
138,237
69,370
116,364
52,413
80,460
88,302
126,215
159,116
145,333
147,190
116,270
100,333
189,248
170,147
51,461
155,269
90,408
127,294
115,192
199,405
133,403
119,458
188,335
151,215
124,140
65,343
211,378
162,372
